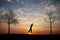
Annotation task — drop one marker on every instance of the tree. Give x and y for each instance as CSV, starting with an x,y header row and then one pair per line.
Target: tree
x,y
51,18
51,15
10,17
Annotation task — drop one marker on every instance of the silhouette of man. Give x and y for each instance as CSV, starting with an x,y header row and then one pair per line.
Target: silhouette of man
x,y
30,30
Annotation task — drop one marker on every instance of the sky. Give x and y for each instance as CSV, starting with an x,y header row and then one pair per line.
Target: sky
x,y
31,11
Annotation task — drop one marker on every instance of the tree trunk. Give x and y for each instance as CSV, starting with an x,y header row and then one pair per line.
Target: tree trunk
x,y
8,26
50,27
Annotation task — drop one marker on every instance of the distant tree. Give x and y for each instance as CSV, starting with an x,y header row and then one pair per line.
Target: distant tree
x,y
51,18
10,17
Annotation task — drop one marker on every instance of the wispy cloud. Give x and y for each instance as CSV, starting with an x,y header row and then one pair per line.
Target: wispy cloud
x,y
9,1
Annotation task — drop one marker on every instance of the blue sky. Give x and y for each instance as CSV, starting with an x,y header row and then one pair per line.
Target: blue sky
x,y
31,9
7,4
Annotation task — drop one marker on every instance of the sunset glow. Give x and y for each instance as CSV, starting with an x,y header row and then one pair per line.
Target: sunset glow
x,y
30,33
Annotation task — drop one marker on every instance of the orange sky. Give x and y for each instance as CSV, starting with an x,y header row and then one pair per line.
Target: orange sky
x,y
23,29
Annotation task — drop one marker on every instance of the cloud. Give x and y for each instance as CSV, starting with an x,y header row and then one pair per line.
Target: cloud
x,y
22,2
10,1
28,12
31,11
51,7
18,0
3,11
58,11
13,1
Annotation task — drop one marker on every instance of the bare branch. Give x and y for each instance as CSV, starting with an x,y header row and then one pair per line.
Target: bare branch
x,y
46,21
53,20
